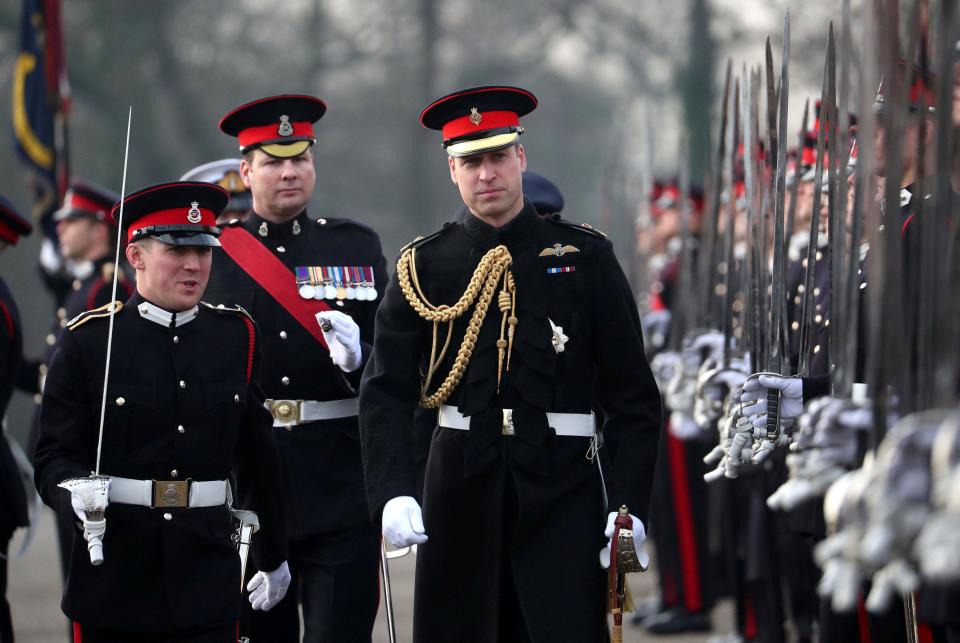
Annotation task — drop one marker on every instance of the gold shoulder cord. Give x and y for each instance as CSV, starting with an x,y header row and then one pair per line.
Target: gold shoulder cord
x,y
493,268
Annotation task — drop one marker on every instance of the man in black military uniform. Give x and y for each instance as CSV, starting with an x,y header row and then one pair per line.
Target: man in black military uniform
x,y
86,234
184,412
13,502
294,271
513,505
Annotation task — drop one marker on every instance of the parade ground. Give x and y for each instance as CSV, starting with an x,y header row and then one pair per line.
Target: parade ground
x,y
34,594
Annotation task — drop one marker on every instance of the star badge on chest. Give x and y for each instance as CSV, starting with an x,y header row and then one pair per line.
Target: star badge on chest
x,y
559,339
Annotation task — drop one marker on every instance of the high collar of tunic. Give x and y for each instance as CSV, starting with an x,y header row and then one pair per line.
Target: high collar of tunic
x,y
165,318
519,228
263,229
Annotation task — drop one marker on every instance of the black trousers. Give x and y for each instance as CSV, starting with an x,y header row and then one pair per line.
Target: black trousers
x,y
336,578
220,633
6,624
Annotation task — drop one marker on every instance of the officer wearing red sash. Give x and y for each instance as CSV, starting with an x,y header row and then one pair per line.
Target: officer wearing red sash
x,y
286,266
184,414
510,326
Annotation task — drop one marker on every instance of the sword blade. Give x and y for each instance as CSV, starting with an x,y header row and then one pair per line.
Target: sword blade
x,y
113,296
778,276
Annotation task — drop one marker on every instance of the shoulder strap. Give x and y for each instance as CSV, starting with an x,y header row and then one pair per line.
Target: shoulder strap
x,y
96,313
274,277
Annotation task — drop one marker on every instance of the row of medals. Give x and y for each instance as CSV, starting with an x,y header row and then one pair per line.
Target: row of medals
x,y
330,291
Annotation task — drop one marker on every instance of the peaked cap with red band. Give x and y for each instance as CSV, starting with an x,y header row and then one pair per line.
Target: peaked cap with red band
x,y
281,126
12,225
479,119
87,200
183,213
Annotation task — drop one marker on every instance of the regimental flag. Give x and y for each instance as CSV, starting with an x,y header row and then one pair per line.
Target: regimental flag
x,y
40,105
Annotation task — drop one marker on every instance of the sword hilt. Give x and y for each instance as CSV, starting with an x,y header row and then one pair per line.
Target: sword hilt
x,y
773,413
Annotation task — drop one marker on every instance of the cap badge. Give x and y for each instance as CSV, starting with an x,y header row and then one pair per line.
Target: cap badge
x,y
285,128
194,216
475,116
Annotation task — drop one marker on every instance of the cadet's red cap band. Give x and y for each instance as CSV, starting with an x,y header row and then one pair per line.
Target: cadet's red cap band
x,y
76,201
254,135
173,216
8,234
488,120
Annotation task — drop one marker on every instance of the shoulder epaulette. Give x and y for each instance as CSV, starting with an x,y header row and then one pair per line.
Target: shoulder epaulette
x,y
227,310
419,241
344,221
581,227
96,313
230,223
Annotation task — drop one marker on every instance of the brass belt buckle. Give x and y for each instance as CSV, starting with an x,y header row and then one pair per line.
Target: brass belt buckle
x,y
507,428
286,412
171,493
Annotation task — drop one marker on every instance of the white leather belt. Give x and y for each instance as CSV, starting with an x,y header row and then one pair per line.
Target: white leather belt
x,y
290,413
579,425
168,493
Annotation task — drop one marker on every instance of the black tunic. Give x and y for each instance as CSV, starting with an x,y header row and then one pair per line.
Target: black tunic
x,y
323,475
161,574
530,504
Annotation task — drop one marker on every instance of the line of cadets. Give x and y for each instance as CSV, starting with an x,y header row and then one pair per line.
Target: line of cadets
x,y
720,537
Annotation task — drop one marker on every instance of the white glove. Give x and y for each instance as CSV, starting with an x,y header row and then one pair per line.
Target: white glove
x,y
90,495
710,341
639,536
755,396
683,427
268,588
403,522
343,339
656,325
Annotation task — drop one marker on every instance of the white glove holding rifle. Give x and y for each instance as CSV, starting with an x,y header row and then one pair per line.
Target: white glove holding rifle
x,y
268,588
403,522
343,339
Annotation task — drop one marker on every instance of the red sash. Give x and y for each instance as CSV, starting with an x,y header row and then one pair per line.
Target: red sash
x,y
274,277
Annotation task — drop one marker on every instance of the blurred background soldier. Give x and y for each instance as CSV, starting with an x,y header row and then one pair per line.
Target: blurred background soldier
x,y
184,411
293,271
13,499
